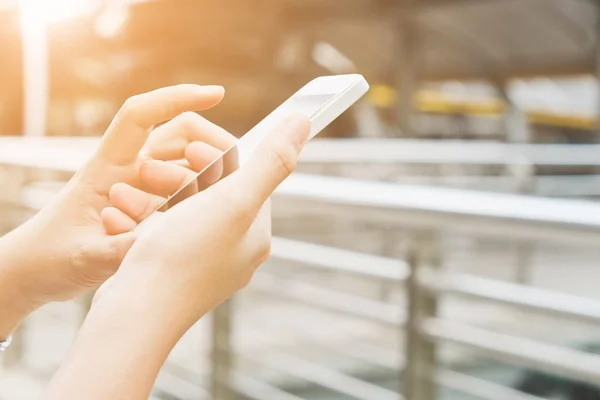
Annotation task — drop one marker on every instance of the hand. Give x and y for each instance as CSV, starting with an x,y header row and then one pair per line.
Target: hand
x,y
209,245
73,245
199,253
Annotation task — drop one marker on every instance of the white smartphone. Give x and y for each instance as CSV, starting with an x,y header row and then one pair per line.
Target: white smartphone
x,y
322,100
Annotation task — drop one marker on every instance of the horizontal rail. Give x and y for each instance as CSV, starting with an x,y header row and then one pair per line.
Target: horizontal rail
x,y
339,260
549,358
325,299
494,214
525,297
393,360
258,390
326,377
477,387
486,213
69,153
240,382
59,154
179,387
456,152
540,185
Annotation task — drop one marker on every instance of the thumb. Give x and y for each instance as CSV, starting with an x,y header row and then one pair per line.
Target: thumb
x,y
119,245
272,162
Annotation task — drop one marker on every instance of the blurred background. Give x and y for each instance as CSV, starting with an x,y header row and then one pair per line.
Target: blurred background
x,y
439,241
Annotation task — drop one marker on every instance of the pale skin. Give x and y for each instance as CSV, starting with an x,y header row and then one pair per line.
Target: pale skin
x,y
170,276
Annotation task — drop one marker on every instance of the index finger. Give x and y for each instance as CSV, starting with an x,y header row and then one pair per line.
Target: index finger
x,y
131,126
272,162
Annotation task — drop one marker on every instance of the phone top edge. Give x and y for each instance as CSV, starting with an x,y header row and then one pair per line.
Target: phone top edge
x,y
333,84
337,105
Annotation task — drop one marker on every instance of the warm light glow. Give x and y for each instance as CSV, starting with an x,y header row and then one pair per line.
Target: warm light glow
x,y
329,57
53,11
111,21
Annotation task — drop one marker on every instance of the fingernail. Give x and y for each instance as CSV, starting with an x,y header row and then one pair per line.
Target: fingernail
x,y
299,127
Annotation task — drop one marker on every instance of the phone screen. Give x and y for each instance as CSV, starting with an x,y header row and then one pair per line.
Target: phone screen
x,y
237,155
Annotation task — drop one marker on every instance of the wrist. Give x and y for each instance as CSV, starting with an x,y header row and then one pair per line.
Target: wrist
x,y
126,337
15,306
158,305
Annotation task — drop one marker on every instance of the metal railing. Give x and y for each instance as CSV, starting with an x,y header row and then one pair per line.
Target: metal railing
x,y
428,214
513,166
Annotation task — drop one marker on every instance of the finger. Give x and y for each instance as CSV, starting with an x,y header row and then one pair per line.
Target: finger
x,y
134,202
119,245
115,221
206,158
163,178
272,162
129,130
108,253
169,141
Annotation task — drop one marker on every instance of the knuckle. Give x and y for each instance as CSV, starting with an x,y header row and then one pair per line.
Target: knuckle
x,y
244,281
143,212
283,159
264,250
247,276
131,105
242,214
238,210
189,120
114,255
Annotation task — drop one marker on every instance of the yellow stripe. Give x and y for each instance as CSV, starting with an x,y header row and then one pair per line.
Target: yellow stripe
x,y
434,102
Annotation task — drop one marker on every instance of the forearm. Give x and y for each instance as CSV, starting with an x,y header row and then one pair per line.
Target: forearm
x,y
120,348
14,305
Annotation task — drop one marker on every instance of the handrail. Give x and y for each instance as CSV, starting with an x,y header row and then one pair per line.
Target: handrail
x,y
407,151
530,353
509,216
541,300
478,387
436,208
69,153
394,361
333,259
326,377
258,390
326,299
498,215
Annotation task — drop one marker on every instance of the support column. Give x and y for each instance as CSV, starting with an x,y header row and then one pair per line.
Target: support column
x,y
222,355
516,126
597,72
417,381
407,61
517,130
35,69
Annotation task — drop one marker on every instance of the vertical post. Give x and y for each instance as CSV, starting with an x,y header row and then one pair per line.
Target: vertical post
x,y
221,352
597,71
516,126
517,130
421,359
390,239
524,173
406,65
35,68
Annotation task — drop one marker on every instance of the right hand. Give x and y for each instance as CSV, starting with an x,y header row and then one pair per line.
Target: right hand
x,y
208,246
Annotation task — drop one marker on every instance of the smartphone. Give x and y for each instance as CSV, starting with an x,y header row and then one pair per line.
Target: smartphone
x,y
322,100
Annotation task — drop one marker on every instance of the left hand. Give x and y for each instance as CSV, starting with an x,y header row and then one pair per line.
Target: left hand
x,y
73,245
